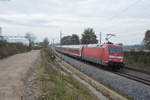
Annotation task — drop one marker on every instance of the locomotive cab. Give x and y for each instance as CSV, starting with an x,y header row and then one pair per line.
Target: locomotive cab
x,y
115,56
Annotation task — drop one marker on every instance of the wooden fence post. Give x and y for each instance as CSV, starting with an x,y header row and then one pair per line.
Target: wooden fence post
x,y
21,97
55,97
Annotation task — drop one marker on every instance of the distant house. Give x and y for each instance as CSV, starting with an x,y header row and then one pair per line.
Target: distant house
x,y
15,39
18,40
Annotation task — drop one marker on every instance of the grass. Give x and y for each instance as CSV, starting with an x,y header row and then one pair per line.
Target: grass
x,y
55,86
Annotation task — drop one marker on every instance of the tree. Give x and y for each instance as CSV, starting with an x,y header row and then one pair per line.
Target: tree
x,y
89,37
31,39
75,39
45,42
146,40
70,40
66,40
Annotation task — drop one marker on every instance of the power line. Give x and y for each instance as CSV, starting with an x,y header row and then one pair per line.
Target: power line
x,y
122,11
125,9
134,3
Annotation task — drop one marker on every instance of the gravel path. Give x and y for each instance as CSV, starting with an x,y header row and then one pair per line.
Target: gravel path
x,y
12,71
133,89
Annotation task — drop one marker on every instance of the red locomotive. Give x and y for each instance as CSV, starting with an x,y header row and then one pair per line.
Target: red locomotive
x,y
109,55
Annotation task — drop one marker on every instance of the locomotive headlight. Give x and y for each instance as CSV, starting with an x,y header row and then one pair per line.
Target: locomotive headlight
x,y
106,61
110,57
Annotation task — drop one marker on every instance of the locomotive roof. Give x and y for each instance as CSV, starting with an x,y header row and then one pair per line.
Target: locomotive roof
x,y
112,45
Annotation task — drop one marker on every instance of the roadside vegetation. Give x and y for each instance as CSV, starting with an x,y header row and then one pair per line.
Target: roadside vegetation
x,y
8,49
54,84
138,60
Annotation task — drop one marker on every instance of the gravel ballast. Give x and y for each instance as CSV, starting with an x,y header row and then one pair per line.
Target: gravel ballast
x,y
131,88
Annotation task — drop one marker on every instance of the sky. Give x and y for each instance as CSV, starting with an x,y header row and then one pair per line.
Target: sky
x,y
127,19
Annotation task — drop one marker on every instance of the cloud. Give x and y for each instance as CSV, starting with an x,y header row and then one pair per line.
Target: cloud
x,y
34,20
122,17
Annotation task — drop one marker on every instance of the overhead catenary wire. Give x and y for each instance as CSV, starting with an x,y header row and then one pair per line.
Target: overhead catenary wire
x,y
113,17
126,8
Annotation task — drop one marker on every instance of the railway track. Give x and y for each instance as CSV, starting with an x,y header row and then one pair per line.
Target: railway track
x,y
127,75
135,78
124,73
131,76
132,69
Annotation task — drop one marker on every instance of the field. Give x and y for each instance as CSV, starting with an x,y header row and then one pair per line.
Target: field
x,y
138,60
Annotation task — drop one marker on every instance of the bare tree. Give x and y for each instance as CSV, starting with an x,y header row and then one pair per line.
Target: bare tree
x,y
31,39
146,40
45,42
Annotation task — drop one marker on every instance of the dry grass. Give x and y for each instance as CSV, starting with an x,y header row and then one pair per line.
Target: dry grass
x,y
55,85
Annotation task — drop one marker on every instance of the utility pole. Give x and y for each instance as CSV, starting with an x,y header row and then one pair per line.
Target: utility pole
x,y
53,42
60,37
100,38
0,31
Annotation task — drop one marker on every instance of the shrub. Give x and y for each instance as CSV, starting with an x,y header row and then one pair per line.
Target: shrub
x,y
8,49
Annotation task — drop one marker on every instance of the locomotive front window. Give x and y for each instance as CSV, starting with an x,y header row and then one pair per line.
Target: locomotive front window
x,y
115,50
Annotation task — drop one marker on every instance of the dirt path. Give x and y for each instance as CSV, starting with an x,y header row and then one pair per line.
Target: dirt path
x,y
12,71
